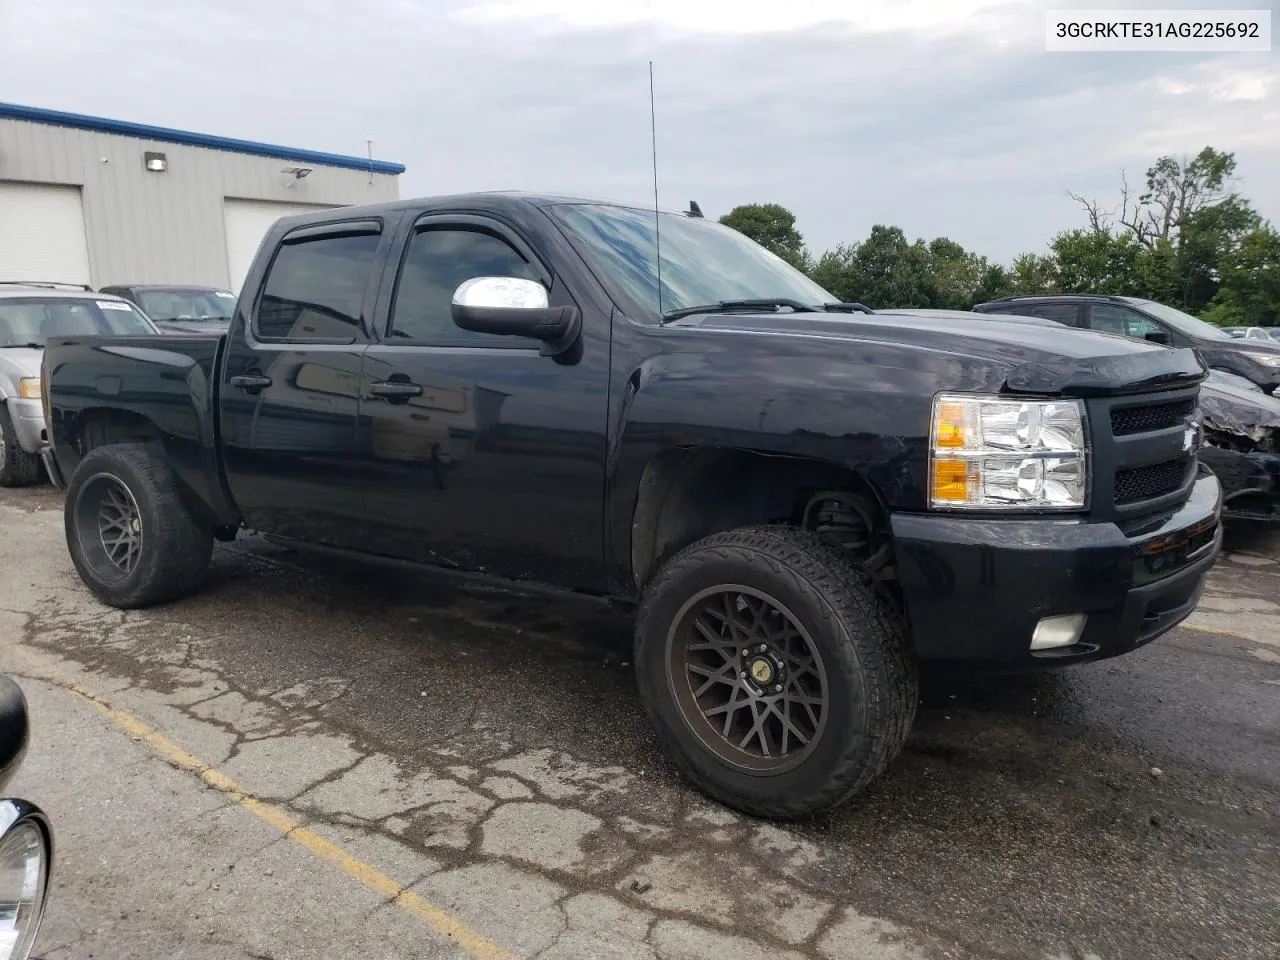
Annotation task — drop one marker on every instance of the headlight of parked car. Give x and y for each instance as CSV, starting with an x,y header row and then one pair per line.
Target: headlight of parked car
x,y
25,852
29,388
991,453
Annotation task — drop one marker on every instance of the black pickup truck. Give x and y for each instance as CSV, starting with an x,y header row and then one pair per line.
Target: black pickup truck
x,y
801,500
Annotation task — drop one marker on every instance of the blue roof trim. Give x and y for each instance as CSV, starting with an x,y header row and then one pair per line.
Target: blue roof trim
x,y
57,118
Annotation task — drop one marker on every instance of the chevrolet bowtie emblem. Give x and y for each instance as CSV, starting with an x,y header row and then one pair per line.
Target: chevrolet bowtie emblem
x,y
1189,438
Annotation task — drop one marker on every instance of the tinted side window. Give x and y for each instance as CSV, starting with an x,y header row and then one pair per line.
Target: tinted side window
x,y
315,288
438,260
1067,313
1111,319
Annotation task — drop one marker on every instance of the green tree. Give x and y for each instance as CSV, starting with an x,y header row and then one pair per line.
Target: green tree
x,y
836,271
1095,261
1032,274
1249,292
996,282
772,226
1188,219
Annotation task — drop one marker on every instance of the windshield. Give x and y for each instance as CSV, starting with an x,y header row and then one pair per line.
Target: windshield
x,y
702,262
29,322
1184,322
196,303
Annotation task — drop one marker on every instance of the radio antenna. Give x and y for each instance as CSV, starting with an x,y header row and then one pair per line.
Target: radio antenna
x,y
657,229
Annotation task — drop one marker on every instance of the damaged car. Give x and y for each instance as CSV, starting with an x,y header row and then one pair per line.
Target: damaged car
x,y
1241,445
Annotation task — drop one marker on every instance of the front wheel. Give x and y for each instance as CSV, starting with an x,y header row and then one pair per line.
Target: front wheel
x,y
132,538
774,670
18,468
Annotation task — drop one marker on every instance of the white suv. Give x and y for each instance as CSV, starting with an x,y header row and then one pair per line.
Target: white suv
x,y
30,314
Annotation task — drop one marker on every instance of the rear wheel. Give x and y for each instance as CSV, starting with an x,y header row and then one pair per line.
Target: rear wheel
x,y
132,538
17,467
775,670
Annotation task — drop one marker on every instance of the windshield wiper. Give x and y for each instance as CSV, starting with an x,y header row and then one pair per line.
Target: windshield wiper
x,y
22,346
730,306
851,307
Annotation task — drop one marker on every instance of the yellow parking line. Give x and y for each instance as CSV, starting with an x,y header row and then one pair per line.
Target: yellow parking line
x,y
371,877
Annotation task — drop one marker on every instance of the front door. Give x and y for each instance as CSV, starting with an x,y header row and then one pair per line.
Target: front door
x,y
479,452
291,388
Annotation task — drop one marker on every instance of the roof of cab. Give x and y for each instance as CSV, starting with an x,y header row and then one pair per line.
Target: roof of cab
x,y
490,200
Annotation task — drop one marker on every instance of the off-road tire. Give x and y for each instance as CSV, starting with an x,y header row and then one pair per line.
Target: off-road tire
x,y
17,467
175,548
871,671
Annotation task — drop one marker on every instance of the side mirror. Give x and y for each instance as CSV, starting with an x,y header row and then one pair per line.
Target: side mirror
x,y
514,307
26,858
1160,337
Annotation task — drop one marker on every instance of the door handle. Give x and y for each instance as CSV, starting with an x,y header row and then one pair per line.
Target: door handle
x,y
250,382
395,389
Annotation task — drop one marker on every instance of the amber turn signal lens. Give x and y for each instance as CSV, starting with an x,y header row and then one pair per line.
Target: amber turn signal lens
x,y
951,479
29,388
950,425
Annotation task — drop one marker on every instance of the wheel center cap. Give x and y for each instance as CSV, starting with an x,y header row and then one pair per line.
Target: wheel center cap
x,y
762,671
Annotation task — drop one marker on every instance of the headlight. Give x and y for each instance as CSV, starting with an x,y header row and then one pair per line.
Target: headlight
x,y
29,388
993,453
1266,359
24,877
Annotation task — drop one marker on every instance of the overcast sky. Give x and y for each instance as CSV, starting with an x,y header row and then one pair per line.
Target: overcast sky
x,y
944,117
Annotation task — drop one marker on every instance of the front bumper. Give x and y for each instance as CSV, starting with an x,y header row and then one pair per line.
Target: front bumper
x,y
28,424
975,588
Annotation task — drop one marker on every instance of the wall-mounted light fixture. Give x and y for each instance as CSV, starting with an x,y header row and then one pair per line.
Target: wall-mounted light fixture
x,y
297,172
155,162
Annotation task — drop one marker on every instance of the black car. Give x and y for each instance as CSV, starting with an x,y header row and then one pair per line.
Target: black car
x,y
1256,360
182,309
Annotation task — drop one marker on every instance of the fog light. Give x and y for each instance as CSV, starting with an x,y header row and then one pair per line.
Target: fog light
x,y
1060,631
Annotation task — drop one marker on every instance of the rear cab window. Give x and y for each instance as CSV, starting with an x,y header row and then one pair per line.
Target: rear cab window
x,y
317,284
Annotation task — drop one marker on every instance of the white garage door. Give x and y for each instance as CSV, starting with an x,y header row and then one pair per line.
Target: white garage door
x,y
42,233
247,223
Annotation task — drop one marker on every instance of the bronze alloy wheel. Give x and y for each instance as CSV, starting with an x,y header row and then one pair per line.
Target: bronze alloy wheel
x,y
109,525
748,678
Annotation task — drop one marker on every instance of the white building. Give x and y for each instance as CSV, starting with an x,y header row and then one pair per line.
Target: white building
x,y
96,201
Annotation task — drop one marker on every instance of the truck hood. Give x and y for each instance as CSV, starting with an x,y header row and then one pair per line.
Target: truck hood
x,y
20,361
1046,360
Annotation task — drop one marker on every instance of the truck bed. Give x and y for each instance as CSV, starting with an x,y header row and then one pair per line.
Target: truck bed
x,y
159,388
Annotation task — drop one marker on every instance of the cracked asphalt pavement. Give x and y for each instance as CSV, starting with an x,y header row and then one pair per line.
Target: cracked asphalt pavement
x,y
315,759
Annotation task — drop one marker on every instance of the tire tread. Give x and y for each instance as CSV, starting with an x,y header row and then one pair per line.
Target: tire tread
x,y
185,546
854,606
19,468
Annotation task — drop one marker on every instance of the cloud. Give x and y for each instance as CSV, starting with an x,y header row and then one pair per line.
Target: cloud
x,y
720,17
946,118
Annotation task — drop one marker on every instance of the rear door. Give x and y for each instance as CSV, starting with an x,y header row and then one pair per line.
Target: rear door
x,y
479,451
291,384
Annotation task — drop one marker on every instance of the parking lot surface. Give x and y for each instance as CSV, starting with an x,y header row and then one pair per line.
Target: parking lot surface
x,y
315,759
